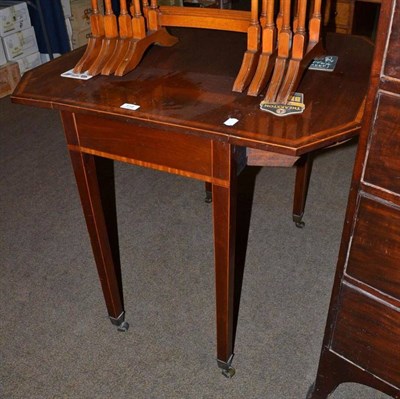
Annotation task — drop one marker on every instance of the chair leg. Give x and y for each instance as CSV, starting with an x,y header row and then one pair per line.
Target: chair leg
x,y
303,173
208,190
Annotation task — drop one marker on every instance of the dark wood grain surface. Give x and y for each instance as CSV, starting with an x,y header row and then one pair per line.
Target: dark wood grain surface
x,y
383,169
375,250
189,86
362,337
367,333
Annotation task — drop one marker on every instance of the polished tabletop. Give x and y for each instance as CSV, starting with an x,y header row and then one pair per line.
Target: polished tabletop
x,y
188,87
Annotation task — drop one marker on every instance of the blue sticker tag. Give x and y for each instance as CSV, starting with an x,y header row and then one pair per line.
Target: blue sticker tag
x,y
327,63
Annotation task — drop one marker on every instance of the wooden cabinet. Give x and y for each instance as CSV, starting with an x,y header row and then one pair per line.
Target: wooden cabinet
x,y
343,14
362,338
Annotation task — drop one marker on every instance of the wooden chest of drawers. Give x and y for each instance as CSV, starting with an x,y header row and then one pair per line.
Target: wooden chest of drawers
x,y
362,338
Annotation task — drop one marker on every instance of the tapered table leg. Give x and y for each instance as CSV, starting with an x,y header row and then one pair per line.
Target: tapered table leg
x,y
224,217
94,179
303,173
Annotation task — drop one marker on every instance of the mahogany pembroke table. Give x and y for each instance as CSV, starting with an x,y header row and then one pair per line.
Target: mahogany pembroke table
x,y
185,97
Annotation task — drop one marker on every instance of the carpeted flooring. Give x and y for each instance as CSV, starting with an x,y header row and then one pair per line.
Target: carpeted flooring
x,y
55,338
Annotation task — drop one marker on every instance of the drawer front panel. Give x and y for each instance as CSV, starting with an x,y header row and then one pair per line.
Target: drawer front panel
x,y
367,333
136,142
375,249
383,163
392,66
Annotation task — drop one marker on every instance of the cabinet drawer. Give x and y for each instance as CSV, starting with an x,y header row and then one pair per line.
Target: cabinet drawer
x,y
367,333
375,249
383,160
153,147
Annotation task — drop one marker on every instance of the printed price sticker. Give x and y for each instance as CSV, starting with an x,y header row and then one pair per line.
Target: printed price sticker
x,y
132,107
80,76
231,121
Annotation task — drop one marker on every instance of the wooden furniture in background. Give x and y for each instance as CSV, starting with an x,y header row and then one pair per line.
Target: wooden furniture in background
x,y
362,337
340,14
272,49
343,14
251,55
109,41
268,51
126,33
95,40
9,78
184,93
123,45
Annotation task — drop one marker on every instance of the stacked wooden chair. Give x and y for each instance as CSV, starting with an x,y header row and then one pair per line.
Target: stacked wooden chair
x,y
283,49
287,48
279,48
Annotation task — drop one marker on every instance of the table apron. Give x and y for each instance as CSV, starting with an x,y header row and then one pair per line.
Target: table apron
x,y
162,149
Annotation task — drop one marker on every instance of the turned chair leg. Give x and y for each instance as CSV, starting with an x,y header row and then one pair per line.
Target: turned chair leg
x,y
303,173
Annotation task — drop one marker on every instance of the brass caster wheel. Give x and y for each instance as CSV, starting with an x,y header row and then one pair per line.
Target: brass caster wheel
x,y
229,372
208,198
300,225
123,327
